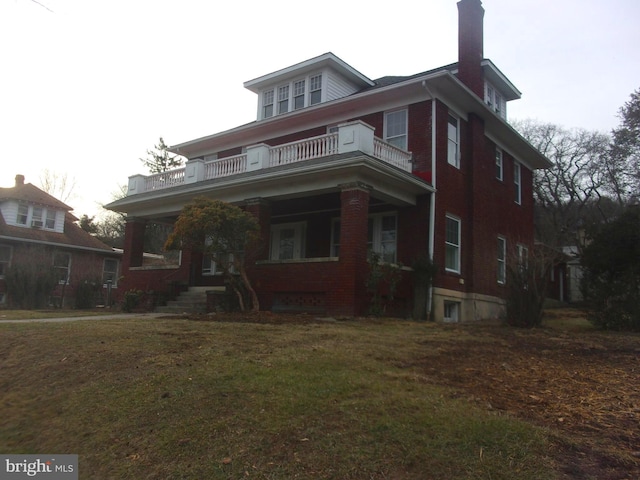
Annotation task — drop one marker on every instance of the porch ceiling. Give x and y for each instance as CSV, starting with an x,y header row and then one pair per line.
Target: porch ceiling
x,y
312,177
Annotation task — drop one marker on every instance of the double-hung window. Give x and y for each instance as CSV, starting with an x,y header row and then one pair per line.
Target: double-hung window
x,y
315,89
395,128
267,104
452,244
502,260
517,182
382,233
23,214
50,220
298,94
335,237
5,259
283,99
498,163
287,241
62,266
453,135
110,271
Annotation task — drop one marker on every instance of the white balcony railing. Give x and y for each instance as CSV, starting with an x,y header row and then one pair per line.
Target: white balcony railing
x,y
352,136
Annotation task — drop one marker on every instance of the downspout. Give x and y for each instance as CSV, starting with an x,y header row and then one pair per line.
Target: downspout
x,y
432,203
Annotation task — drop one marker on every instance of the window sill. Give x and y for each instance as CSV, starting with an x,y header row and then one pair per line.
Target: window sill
x,y
298,260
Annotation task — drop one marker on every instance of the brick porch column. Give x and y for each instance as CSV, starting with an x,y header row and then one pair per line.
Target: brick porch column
x,y
349,293
133,243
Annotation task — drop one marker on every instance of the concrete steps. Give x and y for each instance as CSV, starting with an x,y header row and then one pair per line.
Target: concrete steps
x,y
194,300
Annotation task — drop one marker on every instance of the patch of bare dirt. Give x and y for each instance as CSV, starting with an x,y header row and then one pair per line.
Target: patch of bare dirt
x,y
584,387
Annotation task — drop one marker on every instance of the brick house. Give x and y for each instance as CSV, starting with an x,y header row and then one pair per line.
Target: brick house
x,y
337,165
38,229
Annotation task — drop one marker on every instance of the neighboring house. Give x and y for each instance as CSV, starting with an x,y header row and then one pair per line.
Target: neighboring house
x,y
337,165
38,228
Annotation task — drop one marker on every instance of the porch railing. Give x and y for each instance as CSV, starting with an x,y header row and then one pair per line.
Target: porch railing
x,y
306,149
352,136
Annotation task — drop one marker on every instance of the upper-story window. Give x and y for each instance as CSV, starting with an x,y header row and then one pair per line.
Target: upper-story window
x,y
495,100
283,99
517,182
37,217
23,214
298,95
315,89
498,163
291,95
395,128
453,135
452,245
267,104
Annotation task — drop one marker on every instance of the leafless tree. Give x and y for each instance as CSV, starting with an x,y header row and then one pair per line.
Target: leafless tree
x,y
58,185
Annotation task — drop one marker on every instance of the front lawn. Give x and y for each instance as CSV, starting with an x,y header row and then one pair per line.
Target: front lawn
x,y
178,398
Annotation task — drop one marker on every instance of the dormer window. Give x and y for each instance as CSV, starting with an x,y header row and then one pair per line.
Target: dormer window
x,y
315,89
36,217
298,95
494,100
283,99
23,214
267,104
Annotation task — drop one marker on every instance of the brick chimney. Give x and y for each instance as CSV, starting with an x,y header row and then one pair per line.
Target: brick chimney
x,y
19,180
470,45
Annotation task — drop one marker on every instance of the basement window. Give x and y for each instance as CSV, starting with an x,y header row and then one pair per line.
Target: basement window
x,y
451,311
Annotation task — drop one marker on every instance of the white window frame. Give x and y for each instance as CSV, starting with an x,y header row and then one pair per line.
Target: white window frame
x,y
315,86
502,260
5,263
375,236
110,274
451,245
499,164
67,268
50,219
517,182
453,140
299,89
396,137
451,311
268,99
495,101
299,231
283,99
22,216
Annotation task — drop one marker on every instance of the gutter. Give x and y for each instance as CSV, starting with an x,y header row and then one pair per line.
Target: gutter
x,y
432,203
60,245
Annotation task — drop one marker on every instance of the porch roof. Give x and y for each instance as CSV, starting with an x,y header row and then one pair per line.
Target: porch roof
x,y
311,177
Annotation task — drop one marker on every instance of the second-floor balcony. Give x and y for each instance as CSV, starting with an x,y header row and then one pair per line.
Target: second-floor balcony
x,y
350,137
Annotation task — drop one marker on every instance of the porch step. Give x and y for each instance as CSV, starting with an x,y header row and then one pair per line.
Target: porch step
x,y
193,300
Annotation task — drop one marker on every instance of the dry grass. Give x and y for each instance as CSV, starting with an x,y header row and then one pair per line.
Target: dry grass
x,y
177,398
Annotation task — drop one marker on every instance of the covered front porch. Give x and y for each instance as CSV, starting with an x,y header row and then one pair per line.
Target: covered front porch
x,y
319,220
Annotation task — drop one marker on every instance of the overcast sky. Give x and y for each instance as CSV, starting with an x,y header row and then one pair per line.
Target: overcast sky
x,y
87,86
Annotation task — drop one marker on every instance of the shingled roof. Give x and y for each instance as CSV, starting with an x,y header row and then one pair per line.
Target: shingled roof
x,y
73,236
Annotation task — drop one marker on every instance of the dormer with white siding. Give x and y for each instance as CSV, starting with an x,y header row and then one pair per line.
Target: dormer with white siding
x,y
315,81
